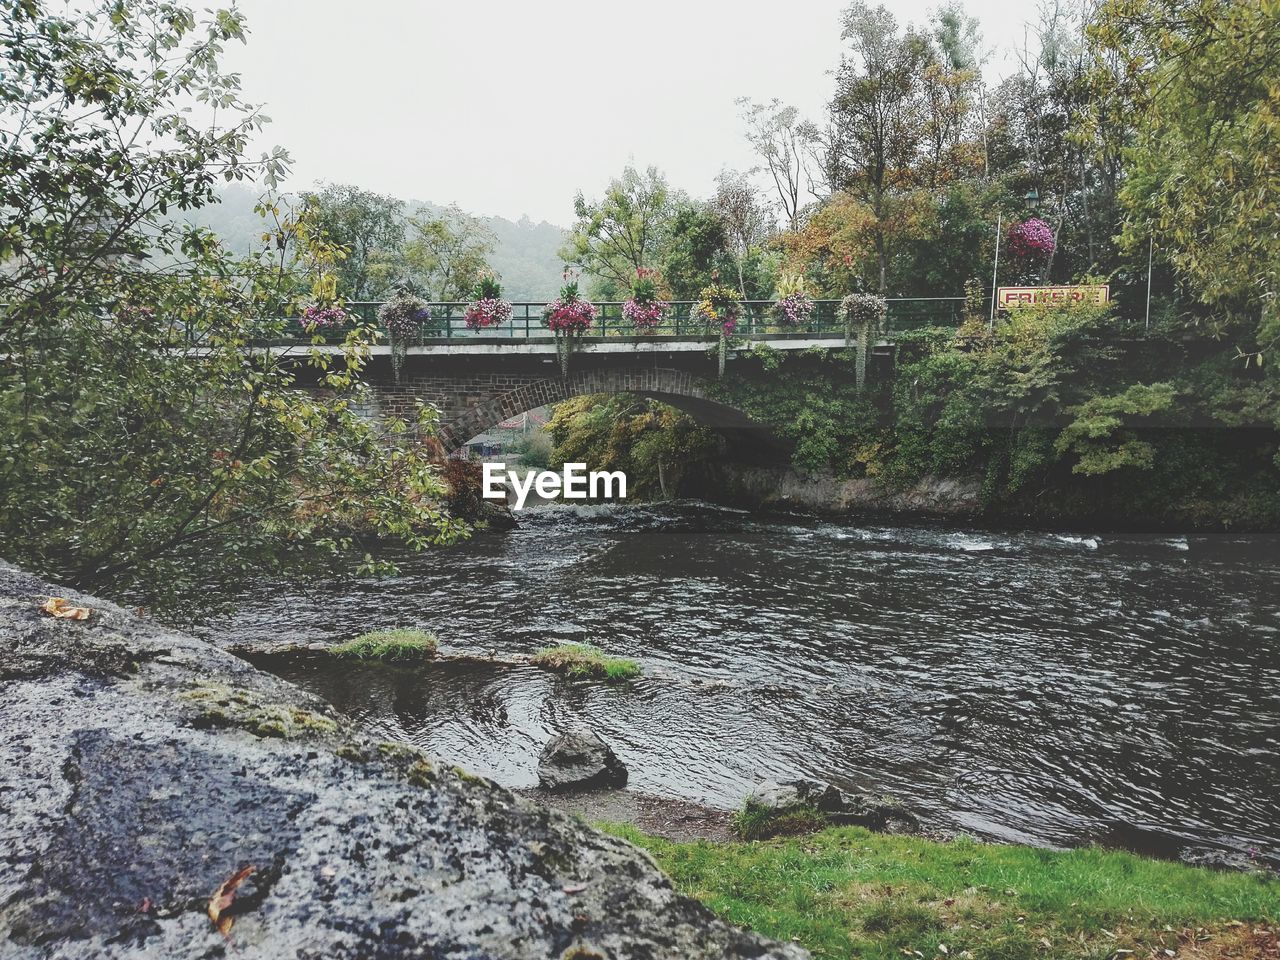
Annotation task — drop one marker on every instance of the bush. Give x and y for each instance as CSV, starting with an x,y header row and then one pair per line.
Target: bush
x,y
581,660
400,644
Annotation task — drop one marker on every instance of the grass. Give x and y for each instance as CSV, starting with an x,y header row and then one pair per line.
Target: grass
x,y
756,821
580,660
847,892
390,645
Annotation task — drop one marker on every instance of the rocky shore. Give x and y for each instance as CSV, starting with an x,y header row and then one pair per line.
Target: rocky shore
x,y
162,798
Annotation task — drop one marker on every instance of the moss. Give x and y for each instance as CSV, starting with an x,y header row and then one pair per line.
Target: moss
x,y
581,660
390,645
467,776
422,773
231,707
352,752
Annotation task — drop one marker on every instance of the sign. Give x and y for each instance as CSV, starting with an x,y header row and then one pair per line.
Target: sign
x,y
1007,297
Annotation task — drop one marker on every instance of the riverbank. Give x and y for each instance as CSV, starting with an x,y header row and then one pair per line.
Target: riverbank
x,y
163,798
782,488
845,893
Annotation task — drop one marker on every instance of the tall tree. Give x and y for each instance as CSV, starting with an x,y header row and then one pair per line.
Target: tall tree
x,y
781,138
876,115
621,232
370,225
442,258
744,215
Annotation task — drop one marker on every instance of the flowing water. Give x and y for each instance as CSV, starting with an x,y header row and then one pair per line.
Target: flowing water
x,y
1019,686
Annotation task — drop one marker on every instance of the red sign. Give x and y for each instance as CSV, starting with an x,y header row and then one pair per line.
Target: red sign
x,y
1007,297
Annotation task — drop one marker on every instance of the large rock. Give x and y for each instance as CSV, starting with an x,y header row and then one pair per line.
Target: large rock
x,y
859,809
579,761
141,768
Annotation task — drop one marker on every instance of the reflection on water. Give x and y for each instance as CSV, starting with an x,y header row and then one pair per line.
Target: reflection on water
x,y
1021,686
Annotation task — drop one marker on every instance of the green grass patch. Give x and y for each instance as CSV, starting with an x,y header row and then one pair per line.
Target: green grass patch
x,y
580,660
848,892
390,645
756,821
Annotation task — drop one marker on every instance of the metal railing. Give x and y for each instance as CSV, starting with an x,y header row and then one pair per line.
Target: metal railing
x,y
445,321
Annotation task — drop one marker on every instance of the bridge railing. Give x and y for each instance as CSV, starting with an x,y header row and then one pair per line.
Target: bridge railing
x,y
446,323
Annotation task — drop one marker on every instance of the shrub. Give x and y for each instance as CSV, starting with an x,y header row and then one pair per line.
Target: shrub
x,y
399,644
581,660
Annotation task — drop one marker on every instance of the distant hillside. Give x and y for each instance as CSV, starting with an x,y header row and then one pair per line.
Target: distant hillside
x,y
524,252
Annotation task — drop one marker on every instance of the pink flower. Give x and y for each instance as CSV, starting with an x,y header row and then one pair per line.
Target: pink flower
x,y
1031,239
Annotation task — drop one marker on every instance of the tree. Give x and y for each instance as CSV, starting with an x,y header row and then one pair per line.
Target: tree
x,y
1198,80
622,232
442,258
746,221
696,239
370,225
876,112
150,450
781,138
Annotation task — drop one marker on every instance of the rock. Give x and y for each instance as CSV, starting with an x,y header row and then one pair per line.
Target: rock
x,y
1215,858
579,761
883,813
141,768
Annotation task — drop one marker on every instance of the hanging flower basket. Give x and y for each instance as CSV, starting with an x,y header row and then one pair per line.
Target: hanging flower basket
x,y
403,317
488,308
645,309
568,317
1031,239
864,314
794,307
323,318
720,310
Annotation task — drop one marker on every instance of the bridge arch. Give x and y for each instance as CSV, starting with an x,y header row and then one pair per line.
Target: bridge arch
x,y
679,388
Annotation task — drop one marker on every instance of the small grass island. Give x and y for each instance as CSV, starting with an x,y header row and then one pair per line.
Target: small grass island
x,y
580,661
398,644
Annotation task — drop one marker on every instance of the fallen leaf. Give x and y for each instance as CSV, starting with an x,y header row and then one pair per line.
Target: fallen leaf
x,y
63,609
222,899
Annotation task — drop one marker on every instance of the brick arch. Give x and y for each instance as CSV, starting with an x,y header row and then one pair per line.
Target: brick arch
x,y
680,388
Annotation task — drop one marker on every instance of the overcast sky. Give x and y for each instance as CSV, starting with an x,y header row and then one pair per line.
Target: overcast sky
x,y
510,106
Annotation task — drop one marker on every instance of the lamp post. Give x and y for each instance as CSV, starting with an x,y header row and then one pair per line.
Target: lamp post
x,y
1032,199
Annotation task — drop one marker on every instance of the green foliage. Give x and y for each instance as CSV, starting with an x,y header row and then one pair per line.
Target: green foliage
x,y
621,233
487,288
1096,435
445,256
851,893
365,224
756,821
696,240
400,644
652,443
583,661
150,450
1196,80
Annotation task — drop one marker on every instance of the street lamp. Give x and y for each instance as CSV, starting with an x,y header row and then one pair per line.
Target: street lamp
x,y
1032,199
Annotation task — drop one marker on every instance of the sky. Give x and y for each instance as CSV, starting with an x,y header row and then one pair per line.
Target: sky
x,y
510,108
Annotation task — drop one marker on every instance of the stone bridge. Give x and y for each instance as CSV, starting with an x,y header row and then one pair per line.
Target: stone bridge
x,y
475,386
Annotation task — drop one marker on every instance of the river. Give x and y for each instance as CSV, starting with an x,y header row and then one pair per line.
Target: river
x,y
1026,687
